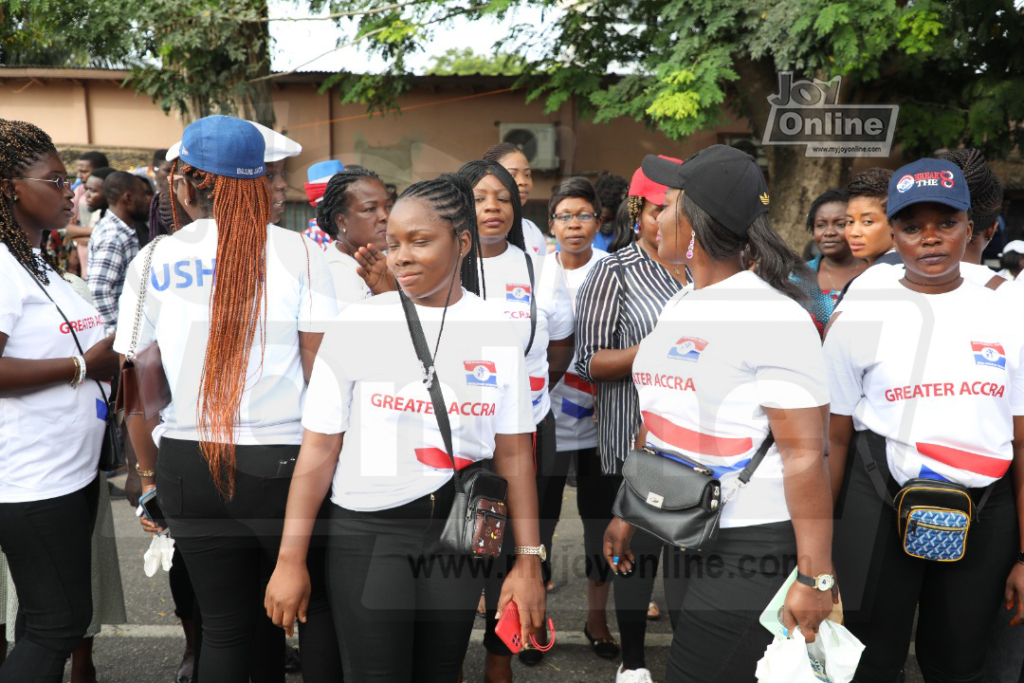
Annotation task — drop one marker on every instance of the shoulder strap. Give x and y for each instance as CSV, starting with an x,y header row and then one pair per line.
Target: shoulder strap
x,y
140,304
862,441
748,471
533,303
419,342
67,322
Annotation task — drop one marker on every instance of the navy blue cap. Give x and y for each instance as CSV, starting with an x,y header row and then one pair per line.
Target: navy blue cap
x,y
224,145
928,180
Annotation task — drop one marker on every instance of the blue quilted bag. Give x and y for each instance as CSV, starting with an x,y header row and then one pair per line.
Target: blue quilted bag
x,y
934,518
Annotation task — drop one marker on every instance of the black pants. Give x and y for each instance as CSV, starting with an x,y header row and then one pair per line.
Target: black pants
x,y
230,547
594,490
403,610
48,549
882,586
717,636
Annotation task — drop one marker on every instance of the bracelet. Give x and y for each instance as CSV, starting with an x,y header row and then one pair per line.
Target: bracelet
x,y
79,378
149,474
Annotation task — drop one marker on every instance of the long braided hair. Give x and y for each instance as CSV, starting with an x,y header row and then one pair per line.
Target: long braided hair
x,y
241,209
473,171
985,188
452,198
21,144
336,196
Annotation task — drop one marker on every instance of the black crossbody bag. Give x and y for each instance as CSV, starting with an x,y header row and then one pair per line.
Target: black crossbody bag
x,y
674,498
112,450
479,516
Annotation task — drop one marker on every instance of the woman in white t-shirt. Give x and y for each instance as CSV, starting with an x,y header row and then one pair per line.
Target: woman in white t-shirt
x,y
402,603
512,159
536,299
238,308
929,372
52,357
354,213
730,359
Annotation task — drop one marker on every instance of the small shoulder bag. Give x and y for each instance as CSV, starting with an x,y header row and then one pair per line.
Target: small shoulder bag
x,y
143,388
933,517
479,515
675,498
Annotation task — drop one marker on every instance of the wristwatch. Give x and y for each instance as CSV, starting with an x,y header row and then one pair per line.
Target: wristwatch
x,y
821,582
532,550
1020,557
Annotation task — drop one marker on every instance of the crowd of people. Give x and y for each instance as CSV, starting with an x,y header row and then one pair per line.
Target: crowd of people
x,y
354,413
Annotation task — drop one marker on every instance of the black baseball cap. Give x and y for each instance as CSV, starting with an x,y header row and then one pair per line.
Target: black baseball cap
x,y
722,180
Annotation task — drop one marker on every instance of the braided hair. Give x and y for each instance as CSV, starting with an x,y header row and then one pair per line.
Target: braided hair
x,y
985,189
241,209
501,150
451,197
336,196
873,183
474,171
826,197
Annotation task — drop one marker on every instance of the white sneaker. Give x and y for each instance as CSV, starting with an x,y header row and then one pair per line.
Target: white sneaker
x,y
633,676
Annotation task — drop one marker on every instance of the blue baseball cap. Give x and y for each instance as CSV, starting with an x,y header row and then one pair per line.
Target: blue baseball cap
x,y
322,171
928,180
224,145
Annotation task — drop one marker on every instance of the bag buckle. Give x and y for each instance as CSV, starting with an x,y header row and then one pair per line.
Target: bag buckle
x,y
654,500
733,492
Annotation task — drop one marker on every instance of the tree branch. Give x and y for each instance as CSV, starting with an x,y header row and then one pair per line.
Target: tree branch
x,y
341,15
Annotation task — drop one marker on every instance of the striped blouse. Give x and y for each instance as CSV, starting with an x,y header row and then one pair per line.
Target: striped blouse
x,y
617,306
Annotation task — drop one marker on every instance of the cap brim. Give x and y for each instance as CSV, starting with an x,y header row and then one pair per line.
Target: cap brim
x,y
174,152
662,171
945,201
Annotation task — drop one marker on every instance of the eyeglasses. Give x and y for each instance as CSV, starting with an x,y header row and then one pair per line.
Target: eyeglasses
x,y
61,183
566,217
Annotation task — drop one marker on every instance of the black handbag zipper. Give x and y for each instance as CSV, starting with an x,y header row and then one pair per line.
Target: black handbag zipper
x,y
680,459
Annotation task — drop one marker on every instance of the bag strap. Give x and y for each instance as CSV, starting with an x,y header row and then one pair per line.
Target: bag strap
x,y
67,322
533,303
419,342
140,305
748,471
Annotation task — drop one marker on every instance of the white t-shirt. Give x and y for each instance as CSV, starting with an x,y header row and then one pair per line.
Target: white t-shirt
x,y
49,438
976,273
348,286
940,376
369,386
573,398
718,356
299,298
507,285
534,238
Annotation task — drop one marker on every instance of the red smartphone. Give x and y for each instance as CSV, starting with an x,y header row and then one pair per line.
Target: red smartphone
x,y
510,630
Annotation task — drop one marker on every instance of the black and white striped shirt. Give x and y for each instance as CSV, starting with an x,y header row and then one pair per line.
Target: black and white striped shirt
x,y
617,306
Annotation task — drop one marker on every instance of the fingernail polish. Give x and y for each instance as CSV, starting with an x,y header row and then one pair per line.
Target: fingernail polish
x,y
785,632
616,561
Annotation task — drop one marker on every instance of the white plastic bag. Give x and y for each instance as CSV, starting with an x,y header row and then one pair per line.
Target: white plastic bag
x,y
159,555
832,657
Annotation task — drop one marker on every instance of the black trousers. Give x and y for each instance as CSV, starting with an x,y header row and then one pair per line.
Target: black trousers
x,y
48,549
717,636
230,548
882,586
403,609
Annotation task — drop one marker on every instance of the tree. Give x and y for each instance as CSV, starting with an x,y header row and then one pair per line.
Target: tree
x,y
955,69
466,62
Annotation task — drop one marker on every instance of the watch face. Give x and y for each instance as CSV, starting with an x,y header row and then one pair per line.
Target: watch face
x,y
824,582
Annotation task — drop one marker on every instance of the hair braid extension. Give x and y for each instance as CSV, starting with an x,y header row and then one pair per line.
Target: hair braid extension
x,y
21,143
473,171
873,183
452,198
985,188
636,206
241,209
336,197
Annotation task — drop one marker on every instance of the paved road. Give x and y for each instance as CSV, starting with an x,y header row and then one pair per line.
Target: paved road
x,y
148,648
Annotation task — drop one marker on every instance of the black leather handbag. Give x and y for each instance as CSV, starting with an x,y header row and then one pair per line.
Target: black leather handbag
x,y
674,498
479,516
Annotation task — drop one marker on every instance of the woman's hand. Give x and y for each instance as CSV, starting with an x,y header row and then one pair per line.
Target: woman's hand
x,y
101,361
287,595
1015,593
806,607
525,585
616,546
373,268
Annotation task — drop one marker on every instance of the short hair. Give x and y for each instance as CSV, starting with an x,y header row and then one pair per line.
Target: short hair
x,y
611,190
118,183
985,189
159,157
873,183
97,159
103,172
827,197
575,188
501,150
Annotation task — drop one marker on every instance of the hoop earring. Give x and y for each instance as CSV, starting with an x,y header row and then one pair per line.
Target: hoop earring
x,y
689,250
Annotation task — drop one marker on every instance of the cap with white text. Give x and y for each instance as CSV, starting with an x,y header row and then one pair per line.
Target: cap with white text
x,y
225,146
928,180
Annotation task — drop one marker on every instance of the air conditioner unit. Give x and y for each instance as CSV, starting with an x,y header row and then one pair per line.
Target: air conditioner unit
x,y
538,141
